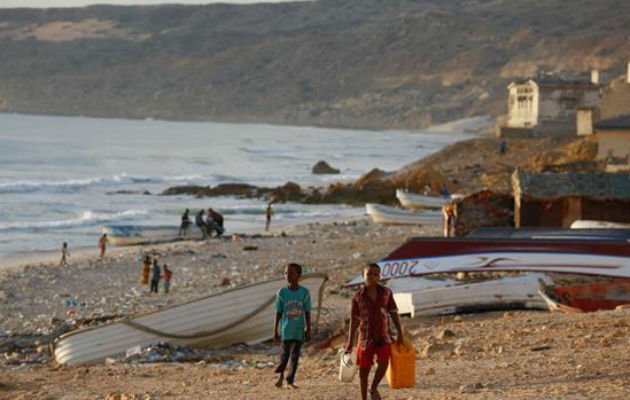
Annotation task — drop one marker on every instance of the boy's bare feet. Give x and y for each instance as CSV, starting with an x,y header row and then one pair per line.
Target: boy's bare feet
x,y
291,386
279,381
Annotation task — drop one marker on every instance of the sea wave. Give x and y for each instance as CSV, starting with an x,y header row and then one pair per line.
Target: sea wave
x,y
71,185
87,218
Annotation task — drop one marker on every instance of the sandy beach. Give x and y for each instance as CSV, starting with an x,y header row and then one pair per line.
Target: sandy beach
x,y
500,355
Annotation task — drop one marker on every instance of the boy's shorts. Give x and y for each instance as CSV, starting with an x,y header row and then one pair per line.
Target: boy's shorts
x,y
365,357
167,285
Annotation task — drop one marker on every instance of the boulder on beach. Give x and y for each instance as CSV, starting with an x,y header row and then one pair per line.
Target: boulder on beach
x,y
322,168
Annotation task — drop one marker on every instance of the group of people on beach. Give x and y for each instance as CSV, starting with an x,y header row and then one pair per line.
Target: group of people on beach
x,y
212,223
152,268
371,307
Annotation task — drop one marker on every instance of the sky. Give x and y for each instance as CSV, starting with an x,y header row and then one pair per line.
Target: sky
x,y
82,3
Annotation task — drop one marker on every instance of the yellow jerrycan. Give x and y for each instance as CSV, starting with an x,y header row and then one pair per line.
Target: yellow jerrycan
x,y
402,366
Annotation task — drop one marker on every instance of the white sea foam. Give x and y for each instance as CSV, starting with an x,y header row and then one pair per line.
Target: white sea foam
x,y
87,218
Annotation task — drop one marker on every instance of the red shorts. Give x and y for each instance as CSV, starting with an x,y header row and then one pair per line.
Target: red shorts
x,y
365,357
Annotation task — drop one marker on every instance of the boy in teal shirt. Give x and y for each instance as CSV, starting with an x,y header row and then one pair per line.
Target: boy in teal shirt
x,y
293,312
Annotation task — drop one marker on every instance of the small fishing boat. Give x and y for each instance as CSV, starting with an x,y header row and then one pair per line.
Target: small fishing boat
x,y
395,216
416,201
130,235
585,224
241,315
586,297
416,296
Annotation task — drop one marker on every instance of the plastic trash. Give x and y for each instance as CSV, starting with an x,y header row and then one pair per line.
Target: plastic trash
x,y
348,366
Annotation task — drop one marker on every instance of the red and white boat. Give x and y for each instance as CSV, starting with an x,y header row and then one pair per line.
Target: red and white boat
x,y
586,297
424,256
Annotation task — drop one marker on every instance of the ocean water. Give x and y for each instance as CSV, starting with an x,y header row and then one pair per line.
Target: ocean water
x,y
59,176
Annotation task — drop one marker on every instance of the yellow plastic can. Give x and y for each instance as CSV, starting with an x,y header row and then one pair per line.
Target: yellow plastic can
x,y
402,366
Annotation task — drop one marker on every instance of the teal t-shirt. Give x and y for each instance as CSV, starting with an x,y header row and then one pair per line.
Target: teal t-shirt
x,y
292,304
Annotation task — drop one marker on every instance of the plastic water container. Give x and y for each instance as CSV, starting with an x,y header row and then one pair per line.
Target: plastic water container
x,y
348,366
402,366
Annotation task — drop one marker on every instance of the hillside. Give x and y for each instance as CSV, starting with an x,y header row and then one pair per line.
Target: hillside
x,y
351,63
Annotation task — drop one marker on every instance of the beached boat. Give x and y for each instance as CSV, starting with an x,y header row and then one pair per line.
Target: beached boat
x,y
614,234
416,201
241,315
416,296
423,256
130,235
395,216
587,297
585,224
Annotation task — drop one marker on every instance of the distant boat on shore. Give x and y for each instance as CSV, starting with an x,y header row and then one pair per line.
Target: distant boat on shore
x,y
395,216
590,224
240,315
131,235
416,201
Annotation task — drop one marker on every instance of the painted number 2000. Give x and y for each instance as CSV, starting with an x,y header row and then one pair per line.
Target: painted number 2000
x,y
397,268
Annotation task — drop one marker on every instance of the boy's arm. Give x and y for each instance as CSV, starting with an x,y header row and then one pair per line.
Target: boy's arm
x,y
354,315
307,314
276,322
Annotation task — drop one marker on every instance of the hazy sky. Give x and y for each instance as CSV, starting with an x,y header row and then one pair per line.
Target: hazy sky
x,y
81,3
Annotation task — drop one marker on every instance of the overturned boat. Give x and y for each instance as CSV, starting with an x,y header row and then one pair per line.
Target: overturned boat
x,y
395,216
586,296
424,256
241,315
420,296
131,235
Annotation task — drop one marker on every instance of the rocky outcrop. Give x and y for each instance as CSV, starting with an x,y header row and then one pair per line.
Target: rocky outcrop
x,y
322,168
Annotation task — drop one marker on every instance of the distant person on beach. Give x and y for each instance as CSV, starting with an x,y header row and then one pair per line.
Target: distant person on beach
x,y
185,224
503,147
371,305
444,192
65,253
293,315
102,245
268,214
155,276
146,270
201,224
427,190
168,274
215,222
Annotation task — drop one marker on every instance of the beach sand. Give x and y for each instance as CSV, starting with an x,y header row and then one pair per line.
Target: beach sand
x,y
499,355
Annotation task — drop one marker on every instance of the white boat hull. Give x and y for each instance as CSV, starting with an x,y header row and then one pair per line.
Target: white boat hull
x,y
453,297
590,224
135,235
395,216
416,201
242,315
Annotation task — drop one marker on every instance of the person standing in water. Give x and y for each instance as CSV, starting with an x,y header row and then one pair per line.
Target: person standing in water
x,y
268,214
102,245
65,253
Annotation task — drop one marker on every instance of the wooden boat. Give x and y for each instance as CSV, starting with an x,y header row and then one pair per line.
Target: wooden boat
x,y
587,297
413,297
416,201
241,315
551,233
585,224
395,216
423,256
130,235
